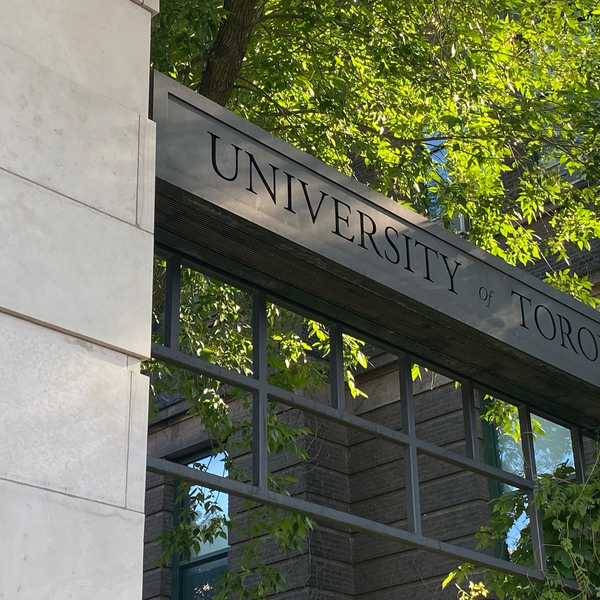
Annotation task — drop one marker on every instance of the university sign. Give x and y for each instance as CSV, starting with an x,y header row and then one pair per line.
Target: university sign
x,y
455,303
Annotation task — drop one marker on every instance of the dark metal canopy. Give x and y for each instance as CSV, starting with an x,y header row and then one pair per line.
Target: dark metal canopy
x,y
238,199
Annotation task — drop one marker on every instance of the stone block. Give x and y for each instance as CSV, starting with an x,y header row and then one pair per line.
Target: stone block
x,y
424,589
180,439
332,577
68,138
157,524
103,45
443,430
392,570
331,544
56,547
73,268
157,584
65,413
381,389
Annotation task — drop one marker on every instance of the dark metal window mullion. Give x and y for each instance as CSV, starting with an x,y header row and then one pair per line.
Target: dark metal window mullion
x,y
411,466
172,302
535,517
578,453
259,398
470,418
250,384
336,366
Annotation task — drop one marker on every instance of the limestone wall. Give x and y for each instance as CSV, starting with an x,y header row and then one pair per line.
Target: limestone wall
x,y
76,222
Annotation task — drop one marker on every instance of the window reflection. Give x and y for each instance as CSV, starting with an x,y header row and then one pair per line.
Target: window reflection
x,y
198,576
552,446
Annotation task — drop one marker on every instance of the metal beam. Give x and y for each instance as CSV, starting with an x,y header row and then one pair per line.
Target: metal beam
x,y
259,398
470,419
343,519
202,367
535,517
249,384
336,366
578,453
411,464
172,301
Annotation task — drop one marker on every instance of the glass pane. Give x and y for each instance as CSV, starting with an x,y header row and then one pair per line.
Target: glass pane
x,y
215,321
297,351
513,537
216,502
552,445
198,580
502,437
158,299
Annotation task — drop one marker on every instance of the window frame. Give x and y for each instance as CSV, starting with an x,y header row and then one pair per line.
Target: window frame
x,y
178,564
262,392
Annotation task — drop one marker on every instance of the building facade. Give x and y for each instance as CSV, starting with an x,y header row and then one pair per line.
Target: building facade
x,y
347,469
77,155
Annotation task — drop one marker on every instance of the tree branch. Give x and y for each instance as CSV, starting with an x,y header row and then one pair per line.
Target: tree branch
x,y
225,56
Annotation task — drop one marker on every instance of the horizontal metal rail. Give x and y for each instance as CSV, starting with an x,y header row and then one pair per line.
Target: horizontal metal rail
x,y
316,511
249,384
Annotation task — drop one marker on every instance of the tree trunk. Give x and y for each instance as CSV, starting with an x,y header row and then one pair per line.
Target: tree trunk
x,y
224,59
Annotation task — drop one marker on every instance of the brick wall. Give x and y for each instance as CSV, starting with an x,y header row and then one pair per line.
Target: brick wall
x,y
354,473
453,502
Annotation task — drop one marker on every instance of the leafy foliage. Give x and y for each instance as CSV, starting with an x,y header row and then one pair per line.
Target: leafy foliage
x,y
215,325
487,109
571,521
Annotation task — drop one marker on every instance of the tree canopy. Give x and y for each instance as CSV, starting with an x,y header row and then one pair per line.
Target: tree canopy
x,y
487,109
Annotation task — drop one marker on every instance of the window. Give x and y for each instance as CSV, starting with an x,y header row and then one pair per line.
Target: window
x,y
195,578
552,450
510,463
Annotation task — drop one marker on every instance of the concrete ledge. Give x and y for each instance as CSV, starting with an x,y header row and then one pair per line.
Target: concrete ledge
x,y
137,442
103,45
68,137
152,6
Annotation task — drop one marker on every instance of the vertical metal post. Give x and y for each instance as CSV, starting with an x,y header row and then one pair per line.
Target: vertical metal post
x,y
535,518
411,466
172,302
578,453
470,418
259,399
336,366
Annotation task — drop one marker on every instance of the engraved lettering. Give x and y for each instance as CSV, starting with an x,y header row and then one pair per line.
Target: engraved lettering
x,y
369,234
513,293
394,248
271,190
427,249
313,214
338,218
407,239
593,342
451,274
566,334
289,192
214,139
537,321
